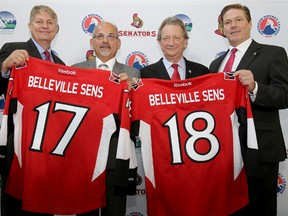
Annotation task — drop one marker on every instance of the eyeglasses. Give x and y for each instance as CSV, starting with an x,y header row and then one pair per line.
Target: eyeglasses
x,y
109,37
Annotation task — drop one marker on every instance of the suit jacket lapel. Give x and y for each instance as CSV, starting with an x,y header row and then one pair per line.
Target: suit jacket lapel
x,y
218,63
118,67
161,70
252,51
32,49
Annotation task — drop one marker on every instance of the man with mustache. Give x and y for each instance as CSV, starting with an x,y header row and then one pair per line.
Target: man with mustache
x,y
105,43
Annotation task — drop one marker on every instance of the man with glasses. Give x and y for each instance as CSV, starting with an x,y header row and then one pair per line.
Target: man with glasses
x,y
105,42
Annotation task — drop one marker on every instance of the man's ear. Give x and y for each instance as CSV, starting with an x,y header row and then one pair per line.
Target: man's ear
x,y
58,28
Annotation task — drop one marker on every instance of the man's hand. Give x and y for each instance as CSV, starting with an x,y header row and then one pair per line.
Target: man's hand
x,y
123,77
16,58
246,78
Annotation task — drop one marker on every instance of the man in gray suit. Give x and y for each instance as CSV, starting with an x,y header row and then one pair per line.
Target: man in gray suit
x,y
105,42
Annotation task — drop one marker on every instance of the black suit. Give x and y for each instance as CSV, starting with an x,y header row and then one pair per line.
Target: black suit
x,y
158,70
9,205
269,66
32,50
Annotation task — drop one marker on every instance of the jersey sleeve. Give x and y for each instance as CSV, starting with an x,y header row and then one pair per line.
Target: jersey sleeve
x,y
6,131
247,132
126,163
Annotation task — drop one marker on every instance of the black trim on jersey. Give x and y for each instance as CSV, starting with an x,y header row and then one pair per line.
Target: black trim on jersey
x,y
250,156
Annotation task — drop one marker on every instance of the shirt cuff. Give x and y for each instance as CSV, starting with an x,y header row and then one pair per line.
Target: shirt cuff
x,y
254,93
5,75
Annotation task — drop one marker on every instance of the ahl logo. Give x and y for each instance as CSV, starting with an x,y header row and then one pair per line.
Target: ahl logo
x,y
7,22
186,20
281,184
137,22
135,214
89,22
268,26
137,60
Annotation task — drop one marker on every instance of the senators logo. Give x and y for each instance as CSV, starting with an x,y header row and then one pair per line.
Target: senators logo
x,y
137,22
219,31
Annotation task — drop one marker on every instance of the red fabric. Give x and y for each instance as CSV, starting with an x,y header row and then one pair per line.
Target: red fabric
x,y
47,55
175,75
229,64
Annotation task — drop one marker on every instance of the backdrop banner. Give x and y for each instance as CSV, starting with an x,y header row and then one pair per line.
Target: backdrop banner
x,y
138,24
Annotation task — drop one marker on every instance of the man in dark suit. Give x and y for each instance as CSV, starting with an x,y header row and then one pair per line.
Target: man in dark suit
x,y
264,69
105,43
43,26
173,39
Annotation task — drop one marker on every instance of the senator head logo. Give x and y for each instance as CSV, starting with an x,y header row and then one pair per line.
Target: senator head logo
x,y
268,26
90,22
219,31
137,60
137,21
90,54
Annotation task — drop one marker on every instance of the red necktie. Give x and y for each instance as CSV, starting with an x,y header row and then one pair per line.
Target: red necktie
x,y
175,75
229,64
47,56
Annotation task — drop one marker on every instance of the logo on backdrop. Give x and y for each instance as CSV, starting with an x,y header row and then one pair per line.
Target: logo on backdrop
x,y
137,23
219,31
89,22
90,55
137,60
281,184
268,26
186,20
7,23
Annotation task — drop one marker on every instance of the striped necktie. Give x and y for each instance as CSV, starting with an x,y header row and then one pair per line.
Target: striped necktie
x,y
47,56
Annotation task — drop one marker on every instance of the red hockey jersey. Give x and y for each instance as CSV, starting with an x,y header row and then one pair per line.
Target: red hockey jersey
x,y
64,119
190,134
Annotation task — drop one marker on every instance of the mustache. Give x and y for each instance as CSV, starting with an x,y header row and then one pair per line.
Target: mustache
x,y
105,46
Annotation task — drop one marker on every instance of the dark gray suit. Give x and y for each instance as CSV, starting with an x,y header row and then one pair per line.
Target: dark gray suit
x,y
118,67
269,66
115,200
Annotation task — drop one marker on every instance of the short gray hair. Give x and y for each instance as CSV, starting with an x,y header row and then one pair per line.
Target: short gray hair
x,y
172,21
